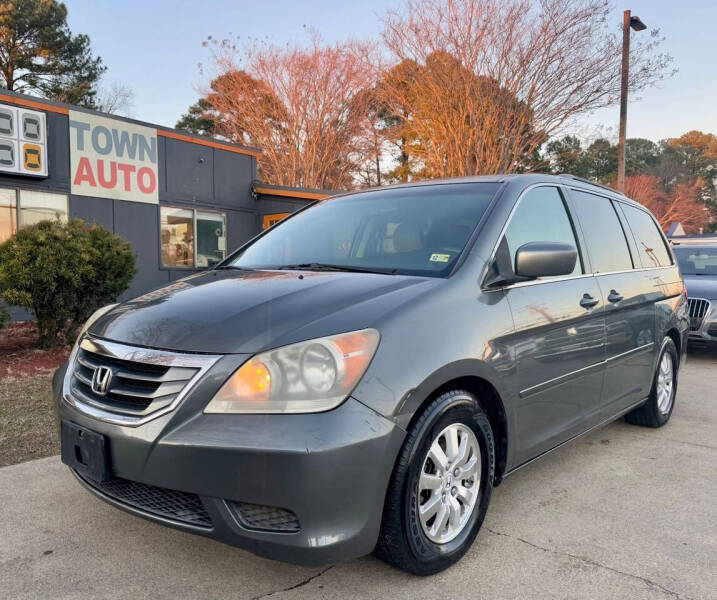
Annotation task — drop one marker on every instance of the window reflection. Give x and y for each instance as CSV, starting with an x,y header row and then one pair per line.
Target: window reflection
x,y
177,230
8,214
211,238
192,238
42,206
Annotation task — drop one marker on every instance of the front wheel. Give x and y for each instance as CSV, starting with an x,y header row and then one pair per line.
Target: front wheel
x,y
440,487
658,408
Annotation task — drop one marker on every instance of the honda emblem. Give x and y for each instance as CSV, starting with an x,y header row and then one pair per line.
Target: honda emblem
x,y
101,380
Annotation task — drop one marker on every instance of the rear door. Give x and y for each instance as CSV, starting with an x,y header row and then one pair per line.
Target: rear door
x,y
558,343
629,300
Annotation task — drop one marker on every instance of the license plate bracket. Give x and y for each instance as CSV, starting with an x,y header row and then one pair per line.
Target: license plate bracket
x,y
85,451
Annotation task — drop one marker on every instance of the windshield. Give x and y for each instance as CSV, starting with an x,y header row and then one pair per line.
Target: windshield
x,y
697,261
414,230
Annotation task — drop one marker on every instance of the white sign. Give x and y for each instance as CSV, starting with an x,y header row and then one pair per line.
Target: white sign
x,y
23,141
110,158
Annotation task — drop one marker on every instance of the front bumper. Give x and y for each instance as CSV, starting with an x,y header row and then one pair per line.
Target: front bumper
x,y
706,333
331,470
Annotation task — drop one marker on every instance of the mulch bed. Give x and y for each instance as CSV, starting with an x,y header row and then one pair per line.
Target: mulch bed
x,y
28,425
19,356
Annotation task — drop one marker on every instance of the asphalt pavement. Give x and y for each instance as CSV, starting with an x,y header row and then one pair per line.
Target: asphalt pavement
x,y
625,512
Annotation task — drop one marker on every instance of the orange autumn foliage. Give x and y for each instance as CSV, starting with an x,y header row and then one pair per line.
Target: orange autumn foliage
x,y
680,203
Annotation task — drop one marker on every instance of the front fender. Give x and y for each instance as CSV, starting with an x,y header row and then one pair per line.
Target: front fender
x,y
414,398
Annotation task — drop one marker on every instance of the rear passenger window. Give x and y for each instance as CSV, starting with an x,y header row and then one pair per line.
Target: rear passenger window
x,y
540,217
604,236
649,240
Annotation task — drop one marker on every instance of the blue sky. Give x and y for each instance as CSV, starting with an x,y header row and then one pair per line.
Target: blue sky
x,y
155,46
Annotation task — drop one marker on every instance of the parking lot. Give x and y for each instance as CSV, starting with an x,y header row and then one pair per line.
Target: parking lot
x,y
623,513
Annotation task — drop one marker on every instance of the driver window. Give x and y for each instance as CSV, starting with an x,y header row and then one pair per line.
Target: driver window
x,y
540,216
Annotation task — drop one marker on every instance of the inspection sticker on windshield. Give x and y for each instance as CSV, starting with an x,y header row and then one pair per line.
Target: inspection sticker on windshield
x,y
440,257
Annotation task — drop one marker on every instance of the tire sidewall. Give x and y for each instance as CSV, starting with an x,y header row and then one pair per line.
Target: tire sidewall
x,y
668,346
460,407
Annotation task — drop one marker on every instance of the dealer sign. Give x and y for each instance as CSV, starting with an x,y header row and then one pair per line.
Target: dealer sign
x,y
112,159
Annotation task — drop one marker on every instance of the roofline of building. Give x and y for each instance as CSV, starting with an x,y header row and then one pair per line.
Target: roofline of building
x,y
291,192
167,132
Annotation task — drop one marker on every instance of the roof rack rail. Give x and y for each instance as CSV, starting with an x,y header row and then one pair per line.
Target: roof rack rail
x,y
583,180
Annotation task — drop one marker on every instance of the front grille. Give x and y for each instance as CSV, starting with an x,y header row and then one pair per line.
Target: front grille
x,y
698,309
265,518
135,388
181,507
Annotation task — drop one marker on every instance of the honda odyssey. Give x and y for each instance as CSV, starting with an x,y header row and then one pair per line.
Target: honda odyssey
x,y
360,376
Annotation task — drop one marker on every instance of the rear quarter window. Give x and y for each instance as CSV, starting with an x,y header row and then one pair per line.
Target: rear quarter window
x,y
650,244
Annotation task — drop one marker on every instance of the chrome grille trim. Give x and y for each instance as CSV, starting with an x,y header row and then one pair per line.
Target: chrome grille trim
x,y
698,308
139,406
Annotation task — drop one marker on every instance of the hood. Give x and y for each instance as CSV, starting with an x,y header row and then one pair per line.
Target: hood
x,y
701,286
231,311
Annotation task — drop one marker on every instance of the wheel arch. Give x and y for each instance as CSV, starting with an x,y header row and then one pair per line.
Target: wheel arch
x,y
674,335
474,377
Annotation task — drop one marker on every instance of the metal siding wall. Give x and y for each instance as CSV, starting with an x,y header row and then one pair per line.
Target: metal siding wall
x,y
93,210
279,204
161,165
138,223
233,174
241,227
190,172
58,148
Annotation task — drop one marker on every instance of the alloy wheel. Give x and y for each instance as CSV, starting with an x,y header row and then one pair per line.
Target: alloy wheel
x,y
449,483
665,384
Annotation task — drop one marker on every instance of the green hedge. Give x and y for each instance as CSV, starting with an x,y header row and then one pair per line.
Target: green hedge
x,y
4,315
63,273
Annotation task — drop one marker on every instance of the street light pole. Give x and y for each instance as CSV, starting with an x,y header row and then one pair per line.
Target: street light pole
x,y
628,21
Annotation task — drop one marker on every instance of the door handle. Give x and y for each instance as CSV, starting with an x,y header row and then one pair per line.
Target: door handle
x,y
588,301
614,296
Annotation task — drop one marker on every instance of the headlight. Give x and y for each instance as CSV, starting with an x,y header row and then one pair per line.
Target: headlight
x,y
311,376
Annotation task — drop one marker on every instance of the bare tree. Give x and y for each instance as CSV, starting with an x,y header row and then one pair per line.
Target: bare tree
x,y
679,203
491,80
304,106
118,99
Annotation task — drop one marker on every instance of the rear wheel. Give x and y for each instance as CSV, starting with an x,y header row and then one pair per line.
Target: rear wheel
x,y
440,487
658,408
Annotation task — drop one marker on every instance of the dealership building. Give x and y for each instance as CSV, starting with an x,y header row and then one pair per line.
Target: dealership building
x,y
182,201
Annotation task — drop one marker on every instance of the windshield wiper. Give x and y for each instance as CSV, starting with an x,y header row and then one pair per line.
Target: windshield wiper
x,y
233,267
314,266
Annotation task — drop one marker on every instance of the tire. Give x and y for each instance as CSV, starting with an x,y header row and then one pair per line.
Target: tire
x,y
653,413
403,539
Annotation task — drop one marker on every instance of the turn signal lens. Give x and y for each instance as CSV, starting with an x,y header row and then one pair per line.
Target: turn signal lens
x,y
254,380
312,376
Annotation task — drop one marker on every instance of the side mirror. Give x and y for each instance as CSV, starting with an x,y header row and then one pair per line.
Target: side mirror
x,y
545,259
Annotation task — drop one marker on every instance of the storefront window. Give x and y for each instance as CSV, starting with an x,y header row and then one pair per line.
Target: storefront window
x,y
180,227
42,206
34,207
211,238
177,230
8,214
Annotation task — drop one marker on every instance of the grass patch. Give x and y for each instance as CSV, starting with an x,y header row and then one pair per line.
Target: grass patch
x,y
28,427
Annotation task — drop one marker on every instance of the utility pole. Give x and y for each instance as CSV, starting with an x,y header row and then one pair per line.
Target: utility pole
x,y
628,21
